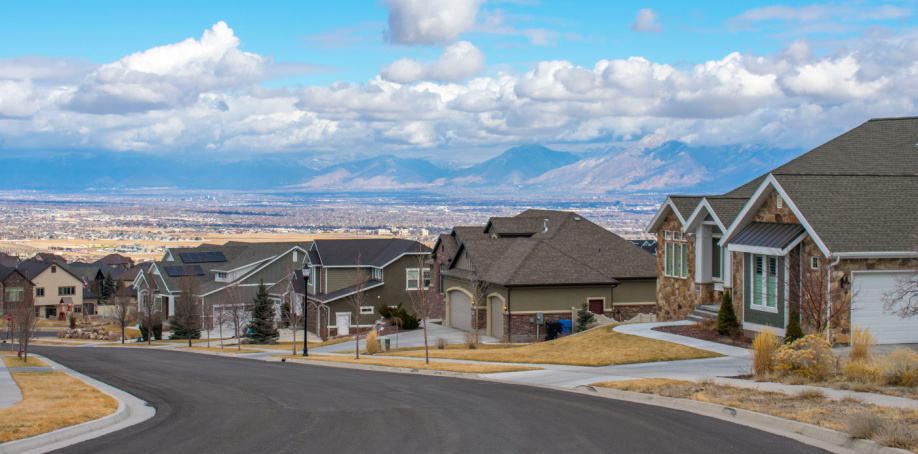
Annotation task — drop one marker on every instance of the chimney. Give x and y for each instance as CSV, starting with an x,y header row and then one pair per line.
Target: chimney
x,y
546,226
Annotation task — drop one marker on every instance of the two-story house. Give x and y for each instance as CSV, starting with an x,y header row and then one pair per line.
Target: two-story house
x,y
15,288
843,214
58,292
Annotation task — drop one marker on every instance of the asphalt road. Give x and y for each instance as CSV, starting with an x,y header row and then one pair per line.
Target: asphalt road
x,y
211,404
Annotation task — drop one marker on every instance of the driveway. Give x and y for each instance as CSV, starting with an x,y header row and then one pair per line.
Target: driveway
x,y
413,338
213,404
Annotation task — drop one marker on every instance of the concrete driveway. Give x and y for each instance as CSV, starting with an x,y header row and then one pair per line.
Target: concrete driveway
x,y
414,338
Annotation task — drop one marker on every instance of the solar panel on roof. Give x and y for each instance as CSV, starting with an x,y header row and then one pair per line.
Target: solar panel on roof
x,y
184,270
202,257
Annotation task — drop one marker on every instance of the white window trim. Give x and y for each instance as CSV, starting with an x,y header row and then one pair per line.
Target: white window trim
x,y
364,310
763,307
421,279
814,262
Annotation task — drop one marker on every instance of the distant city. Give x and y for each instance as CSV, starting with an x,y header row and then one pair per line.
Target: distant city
x,y
88,226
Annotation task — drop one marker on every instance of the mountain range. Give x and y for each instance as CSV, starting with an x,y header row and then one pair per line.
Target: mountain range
x,y
649,166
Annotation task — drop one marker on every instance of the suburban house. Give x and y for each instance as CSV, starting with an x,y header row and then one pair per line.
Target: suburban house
x,y
58,292
14,287
842,216
537,266
117,261
224,274
8,260
384,270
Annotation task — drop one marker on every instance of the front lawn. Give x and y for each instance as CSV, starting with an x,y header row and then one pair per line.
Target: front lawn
x,y
416,364
597,347
889,426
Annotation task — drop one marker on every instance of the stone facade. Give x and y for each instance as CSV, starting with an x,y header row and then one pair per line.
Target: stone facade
x,y
769,211
439,308
676,297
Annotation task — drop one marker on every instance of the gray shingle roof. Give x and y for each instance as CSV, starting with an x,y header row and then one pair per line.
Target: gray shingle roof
x,y
371,252
685,204
573,251
727,208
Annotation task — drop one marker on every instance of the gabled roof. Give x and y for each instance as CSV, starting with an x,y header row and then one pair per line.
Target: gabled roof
x,y
32,268
116,260
48,257
524,226
376,252
573,251
681,205
130,274
722,209
8,260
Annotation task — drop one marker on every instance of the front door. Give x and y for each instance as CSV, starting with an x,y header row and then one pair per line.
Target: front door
x,y
343,320
596,306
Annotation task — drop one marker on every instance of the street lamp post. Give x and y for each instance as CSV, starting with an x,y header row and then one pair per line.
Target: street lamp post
x,y
305,313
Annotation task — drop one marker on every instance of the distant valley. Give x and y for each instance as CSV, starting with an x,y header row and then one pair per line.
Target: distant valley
x,y
649,166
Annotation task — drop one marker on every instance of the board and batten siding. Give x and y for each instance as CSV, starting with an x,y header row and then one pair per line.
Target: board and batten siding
x,y
752,314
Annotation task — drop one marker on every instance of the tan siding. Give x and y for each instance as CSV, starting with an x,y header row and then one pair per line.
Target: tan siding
x,y
463,263
51,281
637,291
546,299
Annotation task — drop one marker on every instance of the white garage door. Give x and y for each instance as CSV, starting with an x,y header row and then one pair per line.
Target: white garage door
x,y
460,310
867,309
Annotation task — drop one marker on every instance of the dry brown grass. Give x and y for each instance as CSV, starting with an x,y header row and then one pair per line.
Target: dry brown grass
x,y
299,343
50,323
809,408
862,343
596,347
763,349
129,333
416,364
51,401
231,350
14,361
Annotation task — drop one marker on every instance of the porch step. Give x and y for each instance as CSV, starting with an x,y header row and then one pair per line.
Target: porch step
x,y
703,312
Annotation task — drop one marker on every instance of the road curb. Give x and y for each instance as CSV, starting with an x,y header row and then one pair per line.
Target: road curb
x,y
374,367
131,410
793,429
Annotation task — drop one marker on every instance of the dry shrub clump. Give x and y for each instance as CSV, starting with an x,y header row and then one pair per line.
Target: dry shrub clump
x,y
810,357
901,368
862,373
862,343
864,425
897,434
372,343
471,340
763,350
442,342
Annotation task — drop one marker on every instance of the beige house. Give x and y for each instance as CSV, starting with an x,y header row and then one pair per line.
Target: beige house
x,y
58,292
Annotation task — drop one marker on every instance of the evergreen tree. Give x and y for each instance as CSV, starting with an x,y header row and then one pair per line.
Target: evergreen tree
x,y
793,331
262,330
97,288
584,318
108,287
726,317
181,332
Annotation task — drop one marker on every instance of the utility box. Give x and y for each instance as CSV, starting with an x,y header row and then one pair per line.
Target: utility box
x,y
384,344
539,318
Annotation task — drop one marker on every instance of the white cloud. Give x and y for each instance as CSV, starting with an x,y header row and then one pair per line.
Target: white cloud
x,y
430,21
458,62
169,76
646,21
203,94
817,17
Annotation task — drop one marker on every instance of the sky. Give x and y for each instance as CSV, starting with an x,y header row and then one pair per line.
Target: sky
x,y
448,80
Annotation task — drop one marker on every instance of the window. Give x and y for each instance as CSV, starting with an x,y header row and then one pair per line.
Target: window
x,y
366,310
675,254
64,291
411,278
814,262
221,276
14,294
40,291
764,281
53,269
377,274
717,259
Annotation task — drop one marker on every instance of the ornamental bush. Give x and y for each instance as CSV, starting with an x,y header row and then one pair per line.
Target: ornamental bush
x,y
810,357
726,316
793,331
901,368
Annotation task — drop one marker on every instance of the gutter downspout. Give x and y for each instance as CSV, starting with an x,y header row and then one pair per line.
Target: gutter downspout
x,y
509,317
612,300
829,297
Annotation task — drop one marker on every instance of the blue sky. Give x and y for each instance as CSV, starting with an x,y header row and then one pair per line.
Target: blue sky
x,y
445,78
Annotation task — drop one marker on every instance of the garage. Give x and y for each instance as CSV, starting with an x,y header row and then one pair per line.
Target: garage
x,y
867,308
460,310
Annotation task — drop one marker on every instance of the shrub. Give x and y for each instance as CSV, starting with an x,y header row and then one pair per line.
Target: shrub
x,y
388,312
811,394
726,316
897,434
471,340
71,320
862,343
864,425
793,330
763,351
372,341
442,343
901,368
810,357
398,315
861,372
408,320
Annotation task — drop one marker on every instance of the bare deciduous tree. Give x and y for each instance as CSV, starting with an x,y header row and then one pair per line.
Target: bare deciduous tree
x,y
289,305
149,315
125,313
479,290
903,299
188,317
356,300
23,311
235,312
422,302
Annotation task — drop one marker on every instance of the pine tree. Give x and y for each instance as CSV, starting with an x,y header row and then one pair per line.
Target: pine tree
x,y
584,318
108,287
726,317
262,330
793,331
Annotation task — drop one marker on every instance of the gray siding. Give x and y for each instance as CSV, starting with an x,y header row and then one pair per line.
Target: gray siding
x,y
755,315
